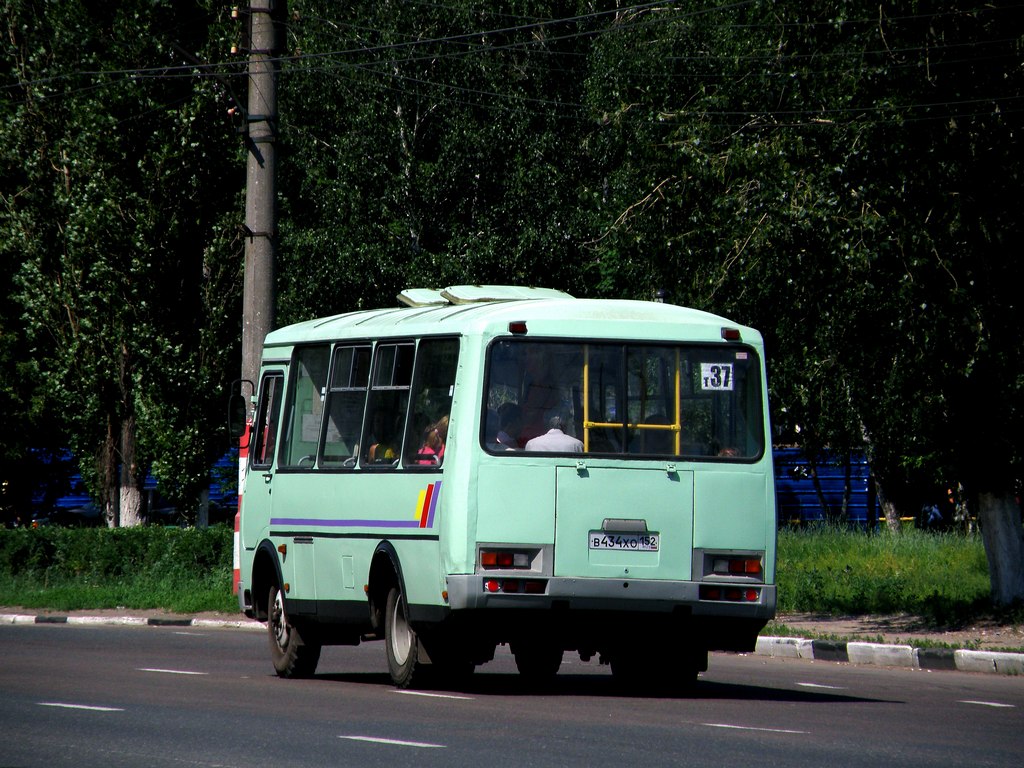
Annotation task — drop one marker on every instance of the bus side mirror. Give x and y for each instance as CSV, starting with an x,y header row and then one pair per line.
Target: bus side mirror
x,y
238,411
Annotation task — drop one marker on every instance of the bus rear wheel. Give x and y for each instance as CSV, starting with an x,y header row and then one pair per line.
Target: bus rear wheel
x,y
537,662
292,656
402,643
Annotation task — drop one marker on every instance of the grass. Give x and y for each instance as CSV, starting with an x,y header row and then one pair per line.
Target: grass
x,y
196,595
65,569
942,578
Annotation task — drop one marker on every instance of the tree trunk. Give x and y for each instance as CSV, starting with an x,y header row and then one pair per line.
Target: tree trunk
x,y
892,517
110,498
131,483
1003,534
847,486
826,509
203,513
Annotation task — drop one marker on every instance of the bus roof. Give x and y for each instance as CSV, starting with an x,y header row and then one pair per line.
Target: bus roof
x,y
488,310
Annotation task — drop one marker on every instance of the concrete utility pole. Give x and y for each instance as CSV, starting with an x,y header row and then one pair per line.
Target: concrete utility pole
x,y
260,188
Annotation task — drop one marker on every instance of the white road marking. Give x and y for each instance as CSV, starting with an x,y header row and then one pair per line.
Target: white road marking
x,y
819,685
988,704
751,728
436,695
394,742
79,706
171,671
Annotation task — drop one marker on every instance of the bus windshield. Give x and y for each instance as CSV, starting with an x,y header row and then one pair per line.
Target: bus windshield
x,y
689,401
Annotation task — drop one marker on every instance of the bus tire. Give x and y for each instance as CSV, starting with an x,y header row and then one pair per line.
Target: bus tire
x,y
401,643
537,662
292,656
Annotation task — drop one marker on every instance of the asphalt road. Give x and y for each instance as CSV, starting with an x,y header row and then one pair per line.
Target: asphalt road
x,y
164,696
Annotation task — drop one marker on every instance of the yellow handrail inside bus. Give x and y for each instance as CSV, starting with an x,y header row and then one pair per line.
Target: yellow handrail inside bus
x,y
676,426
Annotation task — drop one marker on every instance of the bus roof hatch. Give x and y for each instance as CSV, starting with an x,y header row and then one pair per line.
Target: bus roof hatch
x,y
474,294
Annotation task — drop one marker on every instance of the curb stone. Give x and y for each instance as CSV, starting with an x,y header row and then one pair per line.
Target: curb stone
x,y
885,655
18,618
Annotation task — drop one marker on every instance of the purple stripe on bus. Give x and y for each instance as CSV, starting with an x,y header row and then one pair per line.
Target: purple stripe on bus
x,y
345,523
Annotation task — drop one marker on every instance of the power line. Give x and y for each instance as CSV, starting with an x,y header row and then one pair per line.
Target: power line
x,y
358,59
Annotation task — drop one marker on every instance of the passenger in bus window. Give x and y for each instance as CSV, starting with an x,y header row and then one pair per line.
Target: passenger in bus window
x,y
432,450
382,449
555,440
509,422
541,393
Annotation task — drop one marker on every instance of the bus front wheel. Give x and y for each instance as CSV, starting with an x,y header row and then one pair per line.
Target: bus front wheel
x,y
402,643
292,656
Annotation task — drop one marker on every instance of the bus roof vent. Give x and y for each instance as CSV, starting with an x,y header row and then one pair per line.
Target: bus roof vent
x,y
422,297
475,294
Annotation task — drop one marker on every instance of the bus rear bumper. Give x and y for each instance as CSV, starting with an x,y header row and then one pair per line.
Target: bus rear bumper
x,y
603,613
469,592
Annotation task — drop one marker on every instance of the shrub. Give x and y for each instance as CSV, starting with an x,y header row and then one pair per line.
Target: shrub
x,y
183,570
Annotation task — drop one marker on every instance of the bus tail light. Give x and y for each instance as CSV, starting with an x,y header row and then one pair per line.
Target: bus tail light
x,y
515,586
504,559
729,594
737,566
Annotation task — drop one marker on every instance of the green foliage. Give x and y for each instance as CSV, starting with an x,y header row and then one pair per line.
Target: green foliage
x,y
844,177
101,553
181,570
448,157
119,169
943,578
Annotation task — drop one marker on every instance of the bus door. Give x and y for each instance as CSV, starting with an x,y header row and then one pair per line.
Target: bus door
x,y
299,492
265,430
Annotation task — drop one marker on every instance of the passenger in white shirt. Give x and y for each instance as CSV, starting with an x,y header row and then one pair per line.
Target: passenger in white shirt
x,y
555,440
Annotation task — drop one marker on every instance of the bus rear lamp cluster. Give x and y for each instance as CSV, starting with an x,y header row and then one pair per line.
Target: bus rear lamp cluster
x,y
729,594
736,566
515,586
504,559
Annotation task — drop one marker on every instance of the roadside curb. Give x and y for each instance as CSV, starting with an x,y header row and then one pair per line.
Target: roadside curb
x,y
122,621
884,655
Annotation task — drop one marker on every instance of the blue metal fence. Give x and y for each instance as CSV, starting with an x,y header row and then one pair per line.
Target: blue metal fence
x,y
798,500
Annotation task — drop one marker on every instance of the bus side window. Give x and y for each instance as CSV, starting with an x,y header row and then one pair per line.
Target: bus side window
x,y
346,399
305,408
267,419
434,384
388,401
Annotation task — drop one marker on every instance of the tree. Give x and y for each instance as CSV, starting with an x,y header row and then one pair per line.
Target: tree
x,y
843,181
113,186
449,154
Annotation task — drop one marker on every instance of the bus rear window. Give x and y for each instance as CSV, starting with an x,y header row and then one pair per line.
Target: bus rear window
x,y
644,400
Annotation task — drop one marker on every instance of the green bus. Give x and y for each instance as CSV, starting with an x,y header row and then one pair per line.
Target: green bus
x,y
488,465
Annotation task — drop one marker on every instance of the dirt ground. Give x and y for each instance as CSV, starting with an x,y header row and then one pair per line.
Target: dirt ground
x,y
902,629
